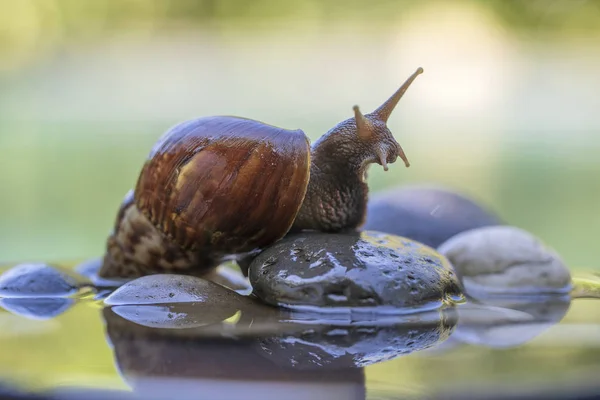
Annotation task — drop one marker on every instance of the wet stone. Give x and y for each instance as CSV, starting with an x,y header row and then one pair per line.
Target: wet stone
x,y
39,280
366,269
171,288
505,259
429,215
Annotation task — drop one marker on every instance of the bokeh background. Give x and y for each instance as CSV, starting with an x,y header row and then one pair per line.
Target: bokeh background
x,y
507,110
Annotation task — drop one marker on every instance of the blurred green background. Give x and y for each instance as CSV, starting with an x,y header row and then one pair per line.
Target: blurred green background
x,y
507,110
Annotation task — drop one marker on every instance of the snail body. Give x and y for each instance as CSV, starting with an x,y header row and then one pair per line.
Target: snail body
x,y
221,187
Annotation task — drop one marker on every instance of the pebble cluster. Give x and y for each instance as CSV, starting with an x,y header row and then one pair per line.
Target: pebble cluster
x,y
421,248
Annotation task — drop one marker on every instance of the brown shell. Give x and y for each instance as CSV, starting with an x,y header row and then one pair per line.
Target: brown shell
x,y
225,184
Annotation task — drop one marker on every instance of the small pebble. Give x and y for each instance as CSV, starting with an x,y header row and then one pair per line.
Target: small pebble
x,y
429,215
171,288
40,280
367,269
505,259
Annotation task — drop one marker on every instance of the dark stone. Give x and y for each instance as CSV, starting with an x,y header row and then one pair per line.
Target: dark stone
x,y
366,269
429,215
39,280
170,288
37,308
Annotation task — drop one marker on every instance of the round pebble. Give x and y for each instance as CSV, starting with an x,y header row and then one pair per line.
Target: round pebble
x,y
39,280
505,259
171,288
429,215
366,269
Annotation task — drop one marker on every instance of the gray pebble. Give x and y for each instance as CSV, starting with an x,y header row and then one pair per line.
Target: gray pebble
x,y
39,280
171,288
429,215
366,269
505,259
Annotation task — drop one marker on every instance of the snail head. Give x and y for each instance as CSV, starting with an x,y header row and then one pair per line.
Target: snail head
x,y
373,131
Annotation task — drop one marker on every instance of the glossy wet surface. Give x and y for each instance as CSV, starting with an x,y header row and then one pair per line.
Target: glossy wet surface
x,y
204,351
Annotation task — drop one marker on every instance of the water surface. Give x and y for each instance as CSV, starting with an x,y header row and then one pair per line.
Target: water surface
x,y
225,352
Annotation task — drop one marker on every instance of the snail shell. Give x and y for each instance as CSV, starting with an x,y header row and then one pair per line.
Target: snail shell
x,y
197,182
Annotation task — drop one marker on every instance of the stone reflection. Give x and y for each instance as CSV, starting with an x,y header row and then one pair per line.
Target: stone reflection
x,y
37,308
259,351
350,346
505,322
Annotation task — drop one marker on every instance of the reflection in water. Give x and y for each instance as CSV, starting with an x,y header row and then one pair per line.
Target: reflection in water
x,y
37,308
256,351
266,353
508,322
252,350
511,321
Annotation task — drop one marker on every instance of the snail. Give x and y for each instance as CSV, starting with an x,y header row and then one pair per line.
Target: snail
x,y
223,187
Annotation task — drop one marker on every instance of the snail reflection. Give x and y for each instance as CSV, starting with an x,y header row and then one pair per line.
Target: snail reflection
x,y
258,350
